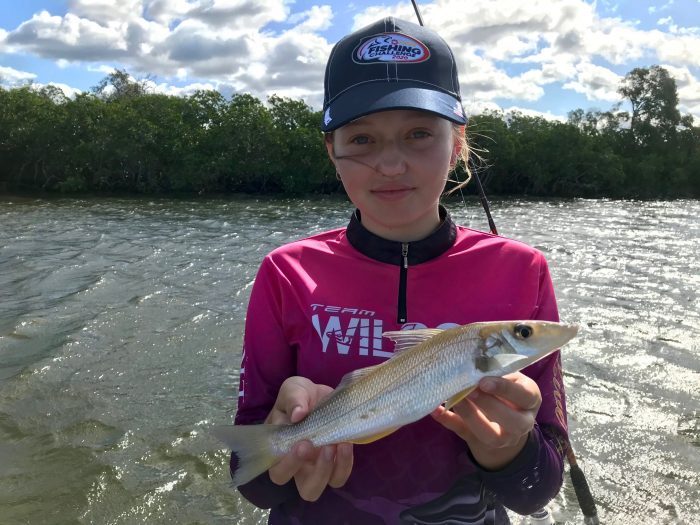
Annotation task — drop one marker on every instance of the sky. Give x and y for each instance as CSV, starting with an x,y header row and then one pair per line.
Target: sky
x,y
539,57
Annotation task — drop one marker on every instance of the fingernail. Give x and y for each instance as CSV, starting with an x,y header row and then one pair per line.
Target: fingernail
x,y
345,449
487,385
328,453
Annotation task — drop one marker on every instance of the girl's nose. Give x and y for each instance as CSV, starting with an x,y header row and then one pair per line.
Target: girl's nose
x,y
390,161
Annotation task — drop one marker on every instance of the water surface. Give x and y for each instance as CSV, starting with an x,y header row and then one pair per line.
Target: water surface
x,y
121,326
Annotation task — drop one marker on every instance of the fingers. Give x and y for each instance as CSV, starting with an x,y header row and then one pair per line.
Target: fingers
x,y
296,397
452,421
343,465
496,415
517,389
290,463
493,422
314,468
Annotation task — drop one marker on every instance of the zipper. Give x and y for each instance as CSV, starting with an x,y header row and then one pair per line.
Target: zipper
x,y
403,278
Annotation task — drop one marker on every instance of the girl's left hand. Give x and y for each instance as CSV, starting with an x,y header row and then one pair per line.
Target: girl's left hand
x,y
495,419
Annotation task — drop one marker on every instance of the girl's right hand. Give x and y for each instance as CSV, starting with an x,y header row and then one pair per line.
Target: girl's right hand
x,y
312,468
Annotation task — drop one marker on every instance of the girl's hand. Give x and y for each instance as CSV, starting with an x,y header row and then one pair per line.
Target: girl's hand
x,y
495,419
312,468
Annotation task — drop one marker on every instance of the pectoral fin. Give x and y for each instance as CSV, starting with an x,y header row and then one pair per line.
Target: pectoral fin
x,y
375,437
458,397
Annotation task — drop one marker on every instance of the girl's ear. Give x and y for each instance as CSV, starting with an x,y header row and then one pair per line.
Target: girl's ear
x,y
328,141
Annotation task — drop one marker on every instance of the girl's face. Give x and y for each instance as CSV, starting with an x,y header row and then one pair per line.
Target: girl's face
x,y
394,165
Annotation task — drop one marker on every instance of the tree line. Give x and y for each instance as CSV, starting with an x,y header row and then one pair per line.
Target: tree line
x,y
119,137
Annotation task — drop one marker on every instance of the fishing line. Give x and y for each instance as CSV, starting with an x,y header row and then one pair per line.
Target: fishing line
x,y
578,479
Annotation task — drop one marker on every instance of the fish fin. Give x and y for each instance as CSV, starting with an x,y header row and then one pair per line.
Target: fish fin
x,y
354,376
405,339
374,437
510,361
458,397
251,446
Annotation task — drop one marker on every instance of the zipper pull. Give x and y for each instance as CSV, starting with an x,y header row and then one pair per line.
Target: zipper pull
x,y
403,281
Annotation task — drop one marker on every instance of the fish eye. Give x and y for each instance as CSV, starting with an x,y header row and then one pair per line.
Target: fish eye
x,y
522,331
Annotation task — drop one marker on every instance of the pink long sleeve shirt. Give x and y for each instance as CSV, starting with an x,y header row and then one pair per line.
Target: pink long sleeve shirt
x,y
318,309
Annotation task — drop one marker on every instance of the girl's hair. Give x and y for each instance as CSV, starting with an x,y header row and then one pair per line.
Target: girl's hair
x,y
460,134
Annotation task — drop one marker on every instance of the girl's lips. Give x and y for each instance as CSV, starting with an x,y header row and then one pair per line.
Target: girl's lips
x,y
392,193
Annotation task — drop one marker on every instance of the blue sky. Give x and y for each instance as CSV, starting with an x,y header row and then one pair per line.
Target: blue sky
x,y
540,57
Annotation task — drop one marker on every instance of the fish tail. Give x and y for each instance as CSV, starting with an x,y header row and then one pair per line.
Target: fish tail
x,y
251,449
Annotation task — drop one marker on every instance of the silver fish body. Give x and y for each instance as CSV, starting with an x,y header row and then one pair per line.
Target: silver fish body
x,y
429,367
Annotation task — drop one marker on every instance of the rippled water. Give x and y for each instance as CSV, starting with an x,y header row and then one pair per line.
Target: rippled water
x,y
121,326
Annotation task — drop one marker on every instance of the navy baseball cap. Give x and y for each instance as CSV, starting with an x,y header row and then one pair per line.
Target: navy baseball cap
x,y
391,64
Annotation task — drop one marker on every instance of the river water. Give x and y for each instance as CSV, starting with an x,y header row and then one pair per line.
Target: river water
x,y
121,325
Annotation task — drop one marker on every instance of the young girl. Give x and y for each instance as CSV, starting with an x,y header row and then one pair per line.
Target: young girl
x,y
394,129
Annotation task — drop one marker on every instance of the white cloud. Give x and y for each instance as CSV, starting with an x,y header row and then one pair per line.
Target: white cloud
x,y
688,90
318,18
653,9
68,37
12,77
166,12
479,108
68,91
547,115
189,89
595,82
106,11
105,69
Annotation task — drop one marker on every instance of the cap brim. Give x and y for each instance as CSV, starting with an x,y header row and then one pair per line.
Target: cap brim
x,y
384,96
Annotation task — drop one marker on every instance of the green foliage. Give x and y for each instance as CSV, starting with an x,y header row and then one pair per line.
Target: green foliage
x,y
121,138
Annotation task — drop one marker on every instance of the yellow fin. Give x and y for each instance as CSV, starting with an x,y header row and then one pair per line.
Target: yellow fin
x,y
375,437
458,397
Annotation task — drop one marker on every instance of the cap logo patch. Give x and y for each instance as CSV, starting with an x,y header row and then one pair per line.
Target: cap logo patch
x,y
391,47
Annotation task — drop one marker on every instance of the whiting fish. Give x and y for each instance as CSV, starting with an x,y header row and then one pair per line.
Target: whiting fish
x,y
429,367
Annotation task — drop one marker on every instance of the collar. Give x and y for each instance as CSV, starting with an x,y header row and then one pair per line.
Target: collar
x,y
383,250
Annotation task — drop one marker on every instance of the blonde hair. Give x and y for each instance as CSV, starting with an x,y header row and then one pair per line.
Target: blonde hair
x,y
460,135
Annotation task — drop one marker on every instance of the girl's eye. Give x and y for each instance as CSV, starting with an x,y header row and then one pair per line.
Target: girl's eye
x,y
420,134
360,140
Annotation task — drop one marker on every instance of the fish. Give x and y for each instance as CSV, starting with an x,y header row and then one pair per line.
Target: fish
x,y
429,367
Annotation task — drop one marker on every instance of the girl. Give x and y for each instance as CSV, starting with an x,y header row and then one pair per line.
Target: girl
x,y
394,129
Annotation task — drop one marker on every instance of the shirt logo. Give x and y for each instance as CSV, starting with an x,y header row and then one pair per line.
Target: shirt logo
x,y
391,47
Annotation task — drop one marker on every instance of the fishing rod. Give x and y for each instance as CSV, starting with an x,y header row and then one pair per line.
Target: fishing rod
x,y
578,479
480,188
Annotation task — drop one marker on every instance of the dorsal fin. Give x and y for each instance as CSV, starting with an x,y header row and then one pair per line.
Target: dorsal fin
x,y
405,339
354,376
